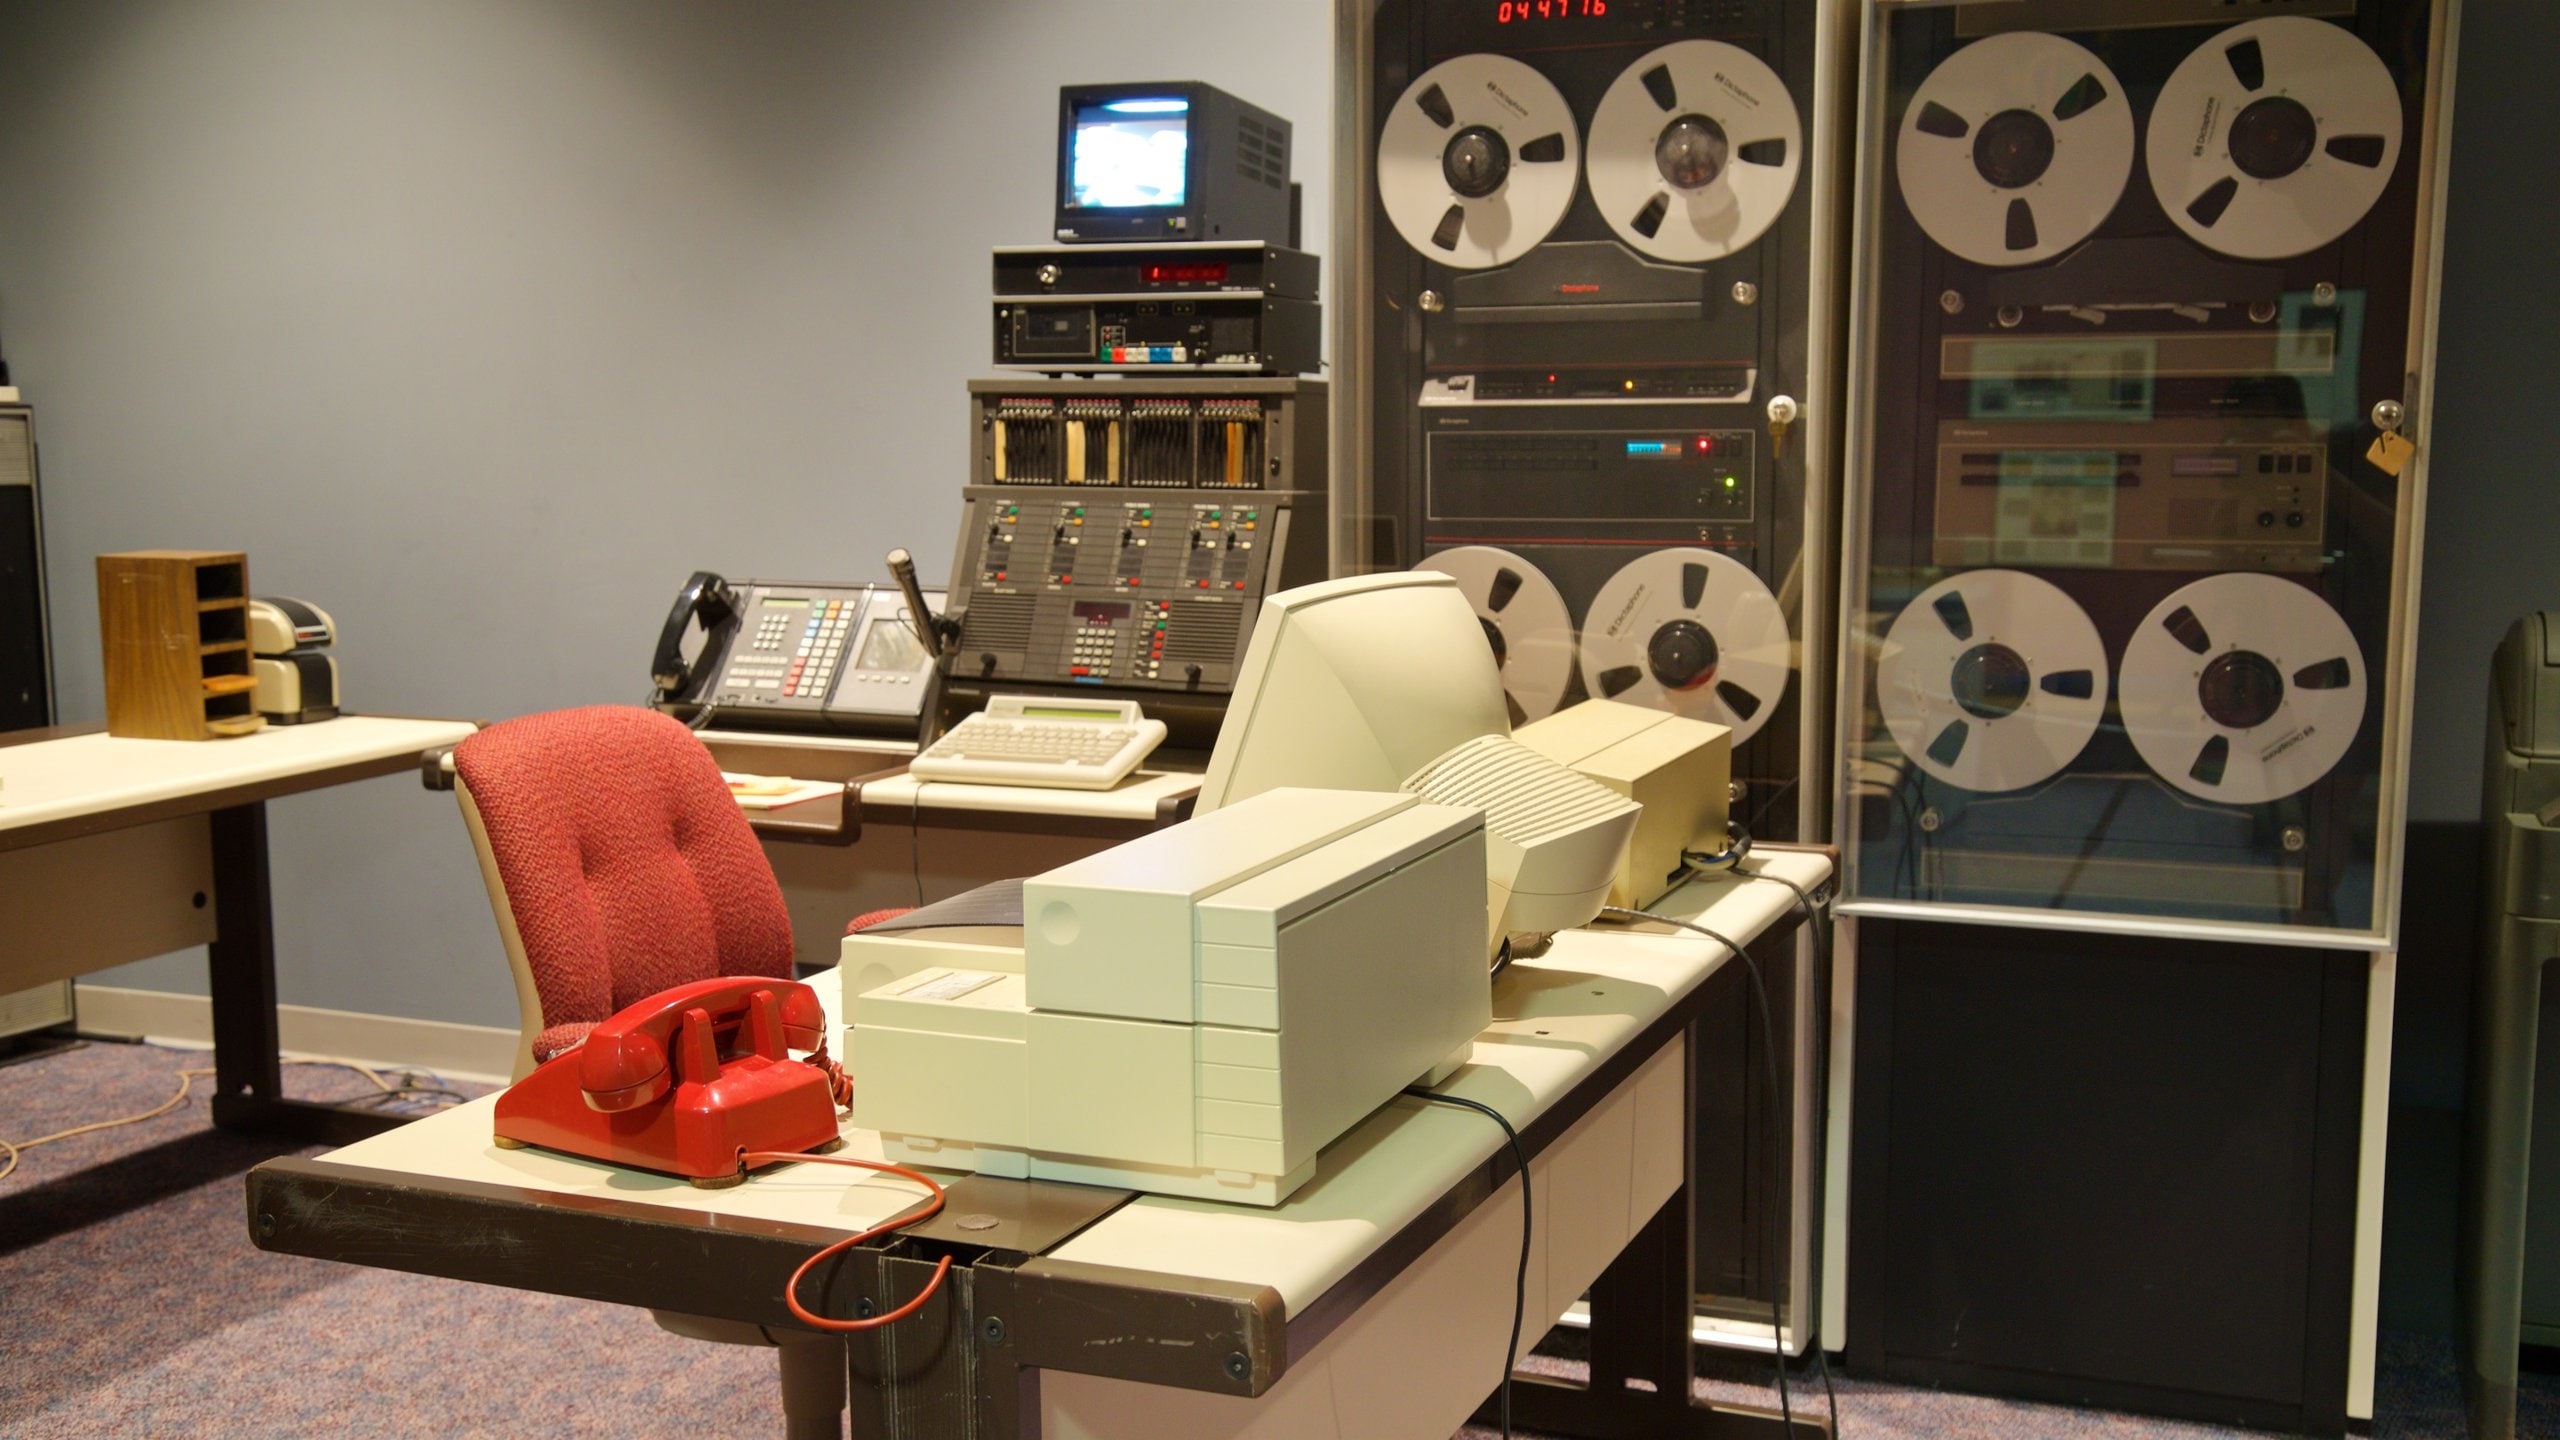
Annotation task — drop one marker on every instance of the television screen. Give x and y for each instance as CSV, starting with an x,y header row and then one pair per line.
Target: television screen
x,y
1129,152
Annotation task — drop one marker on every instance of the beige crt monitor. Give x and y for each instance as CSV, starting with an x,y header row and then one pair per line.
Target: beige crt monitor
x,y
1355,684
1385,682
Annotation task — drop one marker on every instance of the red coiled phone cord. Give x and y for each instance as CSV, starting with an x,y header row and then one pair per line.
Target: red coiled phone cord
x,y
839,1084
791,1291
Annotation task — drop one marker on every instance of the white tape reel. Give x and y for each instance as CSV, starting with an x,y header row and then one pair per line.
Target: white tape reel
x,y
1478,161
2015,148
1992,680
1524,619
1692,632
2242,688
1694,151
2274,137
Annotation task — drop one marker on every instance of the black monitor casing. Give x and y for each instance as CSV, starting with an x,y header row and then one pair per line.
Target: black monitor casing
x,y
1236,188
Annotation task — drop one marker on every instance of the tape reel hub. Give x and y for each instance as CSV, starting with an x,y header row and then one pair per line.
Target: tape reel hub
x,y
1990,681
1682,655
2242,689
2272,138
1476,163
2013,149
1692,152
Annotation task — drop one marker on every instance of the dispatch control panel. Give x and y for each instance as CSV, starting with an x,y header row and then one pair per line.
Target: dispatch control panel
x,y
1154,591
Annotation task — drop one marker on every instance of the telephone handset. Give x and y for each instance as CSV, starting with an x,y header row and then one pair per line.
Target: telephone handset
x,y
705,597
787,655
686,1082
626,1063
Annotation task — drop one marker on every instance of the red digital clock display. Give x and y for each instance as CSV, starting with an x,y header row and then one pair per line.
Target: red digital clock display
x,y
1200,272
1516,12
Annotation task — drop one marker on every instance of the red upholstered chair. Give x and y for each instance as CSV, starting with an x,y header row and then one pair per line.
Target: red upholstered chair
x,y
619,865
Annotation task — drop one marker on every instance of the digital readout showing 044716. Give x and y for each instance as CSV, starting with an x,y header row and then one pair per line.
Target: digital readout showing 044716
x,y
1513,12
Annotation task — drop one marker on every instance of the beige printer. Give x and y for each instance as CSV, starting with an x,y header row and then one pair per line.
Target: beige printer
x,y
1196,1012
1679,769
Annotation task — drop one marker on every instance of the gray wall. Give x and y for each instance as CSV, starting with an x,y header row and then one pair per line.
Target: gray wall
x,y
483,324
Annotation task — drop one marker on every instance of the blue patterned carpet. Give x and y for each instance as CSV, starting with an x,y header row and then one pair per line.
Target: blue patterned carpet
x,y
132,1303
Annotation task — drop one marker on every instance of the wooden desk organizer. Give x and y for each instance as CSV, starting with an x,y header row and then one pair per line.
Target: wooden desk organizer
x,y
175,628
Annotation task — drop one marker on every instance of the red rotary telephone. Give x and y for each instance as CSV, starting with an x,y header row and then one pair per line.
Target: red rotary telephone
x,y
685,1083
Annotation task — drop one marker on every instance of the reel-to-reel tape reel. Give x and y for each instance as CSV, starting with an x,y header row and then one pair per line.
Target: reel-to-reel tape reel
x,y
2139,288
2267,142
1684,630
2240,688
1694,150
1585,272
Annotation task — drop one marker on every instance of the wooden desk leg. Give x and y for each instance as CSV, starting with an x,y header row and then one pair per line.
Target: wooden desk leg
x,y
247,1075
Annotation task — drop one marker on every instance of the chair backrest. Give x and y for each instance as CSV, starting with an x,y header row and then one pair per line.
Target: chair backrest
x,y
617,863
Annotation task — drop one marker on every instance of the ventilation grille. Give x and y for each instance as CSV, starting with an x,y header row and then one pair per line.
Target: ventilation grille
x,y
1202,632
997,622
1262,153
1526,797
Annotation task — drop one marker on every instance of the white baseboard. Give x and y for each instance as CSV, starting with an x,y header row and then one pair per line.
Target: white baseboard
x,y
481,1053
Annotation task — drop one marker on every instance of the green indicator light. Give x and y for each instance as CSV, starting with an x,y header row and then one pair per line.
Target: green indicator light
x,y
1729,482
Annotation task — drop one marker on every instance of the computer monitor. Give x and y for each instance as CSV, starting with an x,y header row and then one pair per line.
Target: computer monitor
x,y
1385,682
1355,684
1169,160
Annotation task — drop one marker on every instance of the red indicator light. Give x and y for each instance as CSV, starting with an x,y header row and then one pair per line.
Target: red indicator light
x,y
1551,379
1189,272
1706,445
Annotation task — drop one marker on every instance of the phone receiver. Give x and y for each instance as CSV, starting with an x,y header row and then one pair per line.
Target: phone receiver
x,y
707,597
625,1062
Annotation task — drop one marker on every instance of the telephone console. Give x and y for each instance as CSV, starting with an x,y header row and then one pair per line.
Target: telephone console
x,y
787,655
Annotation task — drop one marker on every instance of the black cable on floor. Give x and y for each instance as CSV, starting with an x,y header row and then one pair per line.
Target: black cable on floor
x,y
1769,1045
1520,1282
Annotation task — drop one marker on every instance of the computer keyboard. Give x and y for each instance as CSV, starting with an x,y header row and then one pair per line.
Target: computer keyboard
x,y
1072,745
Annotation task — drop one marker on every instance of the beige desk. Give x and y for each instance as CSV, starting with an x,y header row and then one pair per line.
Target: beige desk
x,y
890,839
114,850
1373,1302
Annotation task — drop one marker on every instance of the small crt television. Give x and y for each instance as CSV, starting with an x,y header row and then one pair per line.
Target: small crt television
x,y
1174,160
